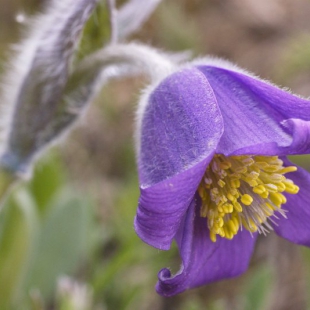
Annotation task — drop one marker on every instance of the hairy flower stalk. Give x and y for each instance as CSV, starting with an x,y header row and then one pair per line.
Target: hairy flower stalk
x,y
113,21
133,14
48,93
36,96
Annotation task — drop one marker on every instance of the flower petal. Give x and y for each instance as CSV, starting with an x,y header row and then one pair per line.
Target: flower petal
x,y
296,228
255,113
179,131
180,126
203,260
301,135
162,206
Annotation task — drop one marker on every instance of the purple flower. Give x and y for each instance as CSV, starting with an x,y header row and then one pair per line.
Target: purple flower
x,y
212,145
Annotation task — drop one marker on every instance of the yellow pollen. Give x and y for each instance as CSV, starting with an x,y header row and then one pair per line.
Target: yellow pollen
x,y
246,199
243,191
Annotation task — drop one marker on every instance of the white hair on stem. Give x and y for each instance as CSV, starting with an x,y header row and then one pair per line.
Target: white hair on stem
x,y
113,61
133,14
43,96
113,15
38,73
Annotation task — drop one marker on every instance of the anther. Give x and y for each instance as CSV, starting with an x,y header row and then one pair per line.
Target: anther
x,y
246,199
243,191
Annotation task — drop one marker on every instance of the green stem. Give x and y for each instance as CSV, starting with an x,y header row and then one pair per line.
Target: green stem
x,y
7,178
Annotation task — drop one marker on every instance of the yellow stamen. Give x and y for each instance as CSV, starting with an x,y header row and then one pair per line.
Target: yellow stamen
x,y
243,191
246,199
259,189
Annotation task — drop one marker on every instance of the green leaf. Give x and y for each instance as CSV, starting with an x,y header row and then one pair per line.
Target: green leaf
x,y
17,231
62,241
96,31
47,179
258,287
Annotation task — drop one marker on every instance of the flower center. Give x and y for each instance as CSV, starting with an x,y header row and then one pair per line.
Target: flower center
x,y
243,191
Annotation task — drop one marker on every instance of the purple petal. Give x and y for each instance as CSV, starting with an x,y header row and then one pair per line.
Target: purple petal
x,y
181,125
296,228
255,114
180,129
203,260
162,206
301,135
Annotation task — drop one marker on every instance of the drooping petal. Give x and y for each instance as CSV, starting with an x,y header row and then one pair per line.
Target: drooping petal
x,y
203,260
301,135
162,206
296,228
179,126
178,134
255,114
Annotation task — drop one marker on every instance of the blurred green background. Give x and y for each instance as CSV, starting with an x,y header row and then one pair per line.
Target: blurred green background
x,y
66,236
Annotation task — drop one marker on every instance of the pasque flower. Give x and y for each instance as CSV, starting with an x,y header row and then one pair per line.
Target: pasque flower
x,y
212,142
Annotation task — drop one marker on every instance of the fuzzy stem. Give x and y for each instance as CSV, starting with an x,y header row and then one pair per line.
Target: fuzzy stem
x,y
141,58
113,21
133,14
